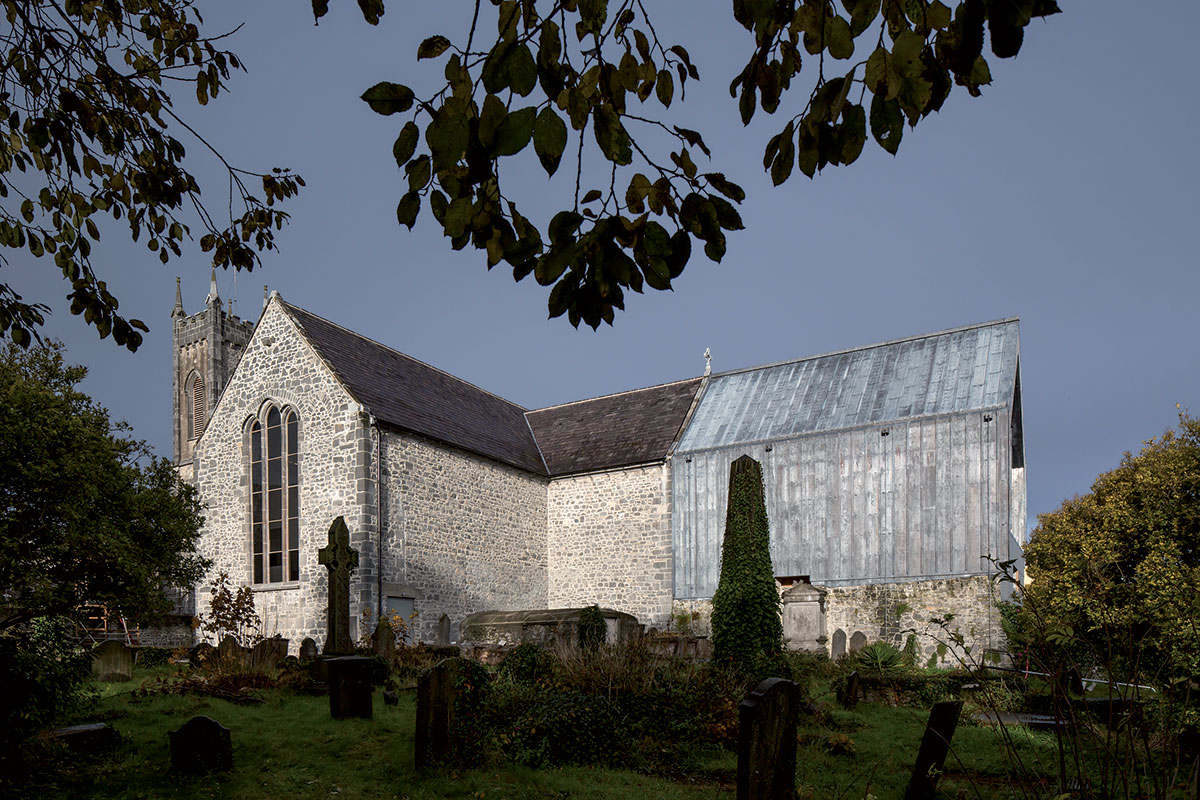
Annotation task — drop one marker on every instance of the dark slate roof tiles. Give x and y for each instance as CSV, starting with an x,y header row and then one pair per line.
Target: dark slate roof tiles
x,y
411,395
614,431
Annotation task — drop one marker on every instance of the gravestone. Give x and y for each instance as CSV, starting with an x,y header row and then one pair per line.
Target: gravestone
x,y
349,687
803,617
858,641
92,738
383,640
450,699
201,745
308,648
839,643
112,661
230,652
443,634
849,696
767,742
340,559
935,744
201,653
267,653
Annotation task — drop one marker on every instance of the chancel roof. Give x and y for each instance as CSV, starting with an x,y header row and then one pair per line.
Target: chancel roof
x,y
617,430
967,368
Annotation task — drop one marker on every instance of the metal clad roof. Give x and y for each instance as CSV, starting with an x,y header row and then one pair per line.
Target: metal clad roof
x,y
951,371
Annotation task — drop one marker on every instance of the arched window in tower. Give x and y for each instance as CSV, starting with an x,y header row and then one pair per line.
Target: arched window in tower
x,y
198,411
275,495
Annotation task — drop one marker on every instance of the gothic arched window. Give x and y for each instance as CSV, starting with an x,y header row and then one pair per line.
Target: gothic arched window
x,y
275,495
198,410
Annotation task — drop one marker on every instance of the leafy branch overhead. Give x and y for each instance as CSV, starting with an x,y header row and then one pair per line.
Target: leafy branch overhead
x,y
571,76
86,128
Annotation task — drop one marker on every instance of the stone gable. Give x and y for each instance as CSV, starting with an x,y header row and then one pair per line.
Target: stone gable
x,y
279,366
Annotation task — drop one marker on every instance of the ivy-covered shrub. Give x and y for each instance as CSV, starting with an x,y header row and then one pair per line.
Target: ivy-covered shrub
x,y
746,618
528,664
149,657
549,726
592,628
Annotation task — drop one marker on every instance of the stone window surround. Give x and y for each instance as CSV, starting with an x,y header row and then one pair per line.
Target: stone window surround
x,y
260,416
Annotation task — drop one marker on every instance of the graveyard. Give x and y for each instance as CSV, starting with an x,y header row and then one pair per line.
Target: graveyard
x,y
284,740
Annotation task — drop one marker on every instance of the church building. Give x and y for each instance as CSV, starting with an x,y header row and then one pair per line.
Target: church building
x,y
894,475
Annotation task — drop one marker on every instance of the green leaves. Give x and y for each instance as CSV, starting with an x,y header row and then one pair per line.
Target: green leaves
x,y
388,98
433,47
887,123
549,139
514,133
611,135
406,143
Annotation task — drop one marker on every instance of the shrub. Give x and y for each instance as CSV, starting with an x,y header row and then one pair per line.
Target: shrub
x,y
746,621
881,657
528,664
557,726
592,628
43,674
911,651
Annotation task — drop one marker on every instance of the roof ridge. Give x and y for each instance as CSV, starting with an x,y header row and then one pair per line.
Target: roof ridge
x,y
861,348
378,343
612,394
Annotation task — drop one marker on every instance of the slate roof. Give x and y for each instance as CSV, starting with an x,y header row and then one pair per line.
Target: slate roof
x,y
411,395
613,431
967,368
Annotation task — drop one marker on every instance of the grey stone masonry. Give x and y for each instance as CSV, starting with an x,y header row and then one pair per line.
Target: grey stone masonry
x,y
609,542
209,344
461,532
279,367
885,612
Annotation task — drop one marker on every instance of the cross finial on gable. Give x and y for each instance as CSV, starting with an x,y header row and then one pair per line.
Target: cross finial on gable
x,y
707,361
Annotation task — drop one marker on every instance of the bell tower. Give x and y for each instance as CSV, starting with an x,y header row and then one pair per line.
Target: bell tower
x,y
206,348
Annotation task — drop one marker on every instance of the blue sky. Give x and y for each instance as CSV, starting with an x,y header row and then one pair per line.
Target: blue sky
x,y
1065,195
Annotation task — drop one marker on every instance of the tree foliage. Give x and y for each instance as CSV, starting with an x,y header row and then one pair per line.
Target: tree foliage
x,y
87,515
88,130
554,69
1118,570
746,616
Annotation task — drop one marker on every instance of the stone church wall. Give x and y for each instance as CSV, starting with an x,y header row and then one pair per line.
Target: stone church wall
x,y
609,540
463,533
280,367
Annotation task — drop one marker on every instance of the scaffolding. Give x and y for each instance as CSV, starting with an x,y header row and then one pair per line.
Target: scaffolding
x,y
94,625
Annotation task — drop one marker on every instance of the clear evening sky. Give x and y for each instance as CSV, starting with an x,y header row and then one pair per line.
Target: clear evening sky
x,y
1065,195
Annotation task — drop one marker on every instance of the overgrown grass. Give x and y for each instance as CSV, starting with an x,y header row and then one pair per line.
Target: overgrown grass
x,y
288,746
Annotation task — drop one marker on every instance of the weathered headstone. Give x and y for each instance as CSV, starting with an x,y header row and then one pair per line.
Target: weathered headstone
x,y
443,634
935,744
383,640
839,643
435,714
308,648
91,738
349,687
201,745
450,698
803,617
230,652
201,653
268,653
858,641
340,559
112,661
767,742
849,698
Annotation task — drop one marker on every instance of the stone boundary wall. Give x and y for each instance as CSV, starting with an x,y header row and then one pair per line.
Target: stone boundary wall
x,y
609,542
280,367
462,532
883,612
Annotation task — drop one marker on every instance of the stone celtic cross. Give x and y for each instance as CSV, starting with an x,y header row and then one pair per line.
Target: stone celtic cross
x,y
339,558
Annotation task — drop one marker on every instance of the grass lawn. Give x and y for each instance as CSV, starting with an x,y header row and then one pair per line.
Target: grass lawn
x,y
289,747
